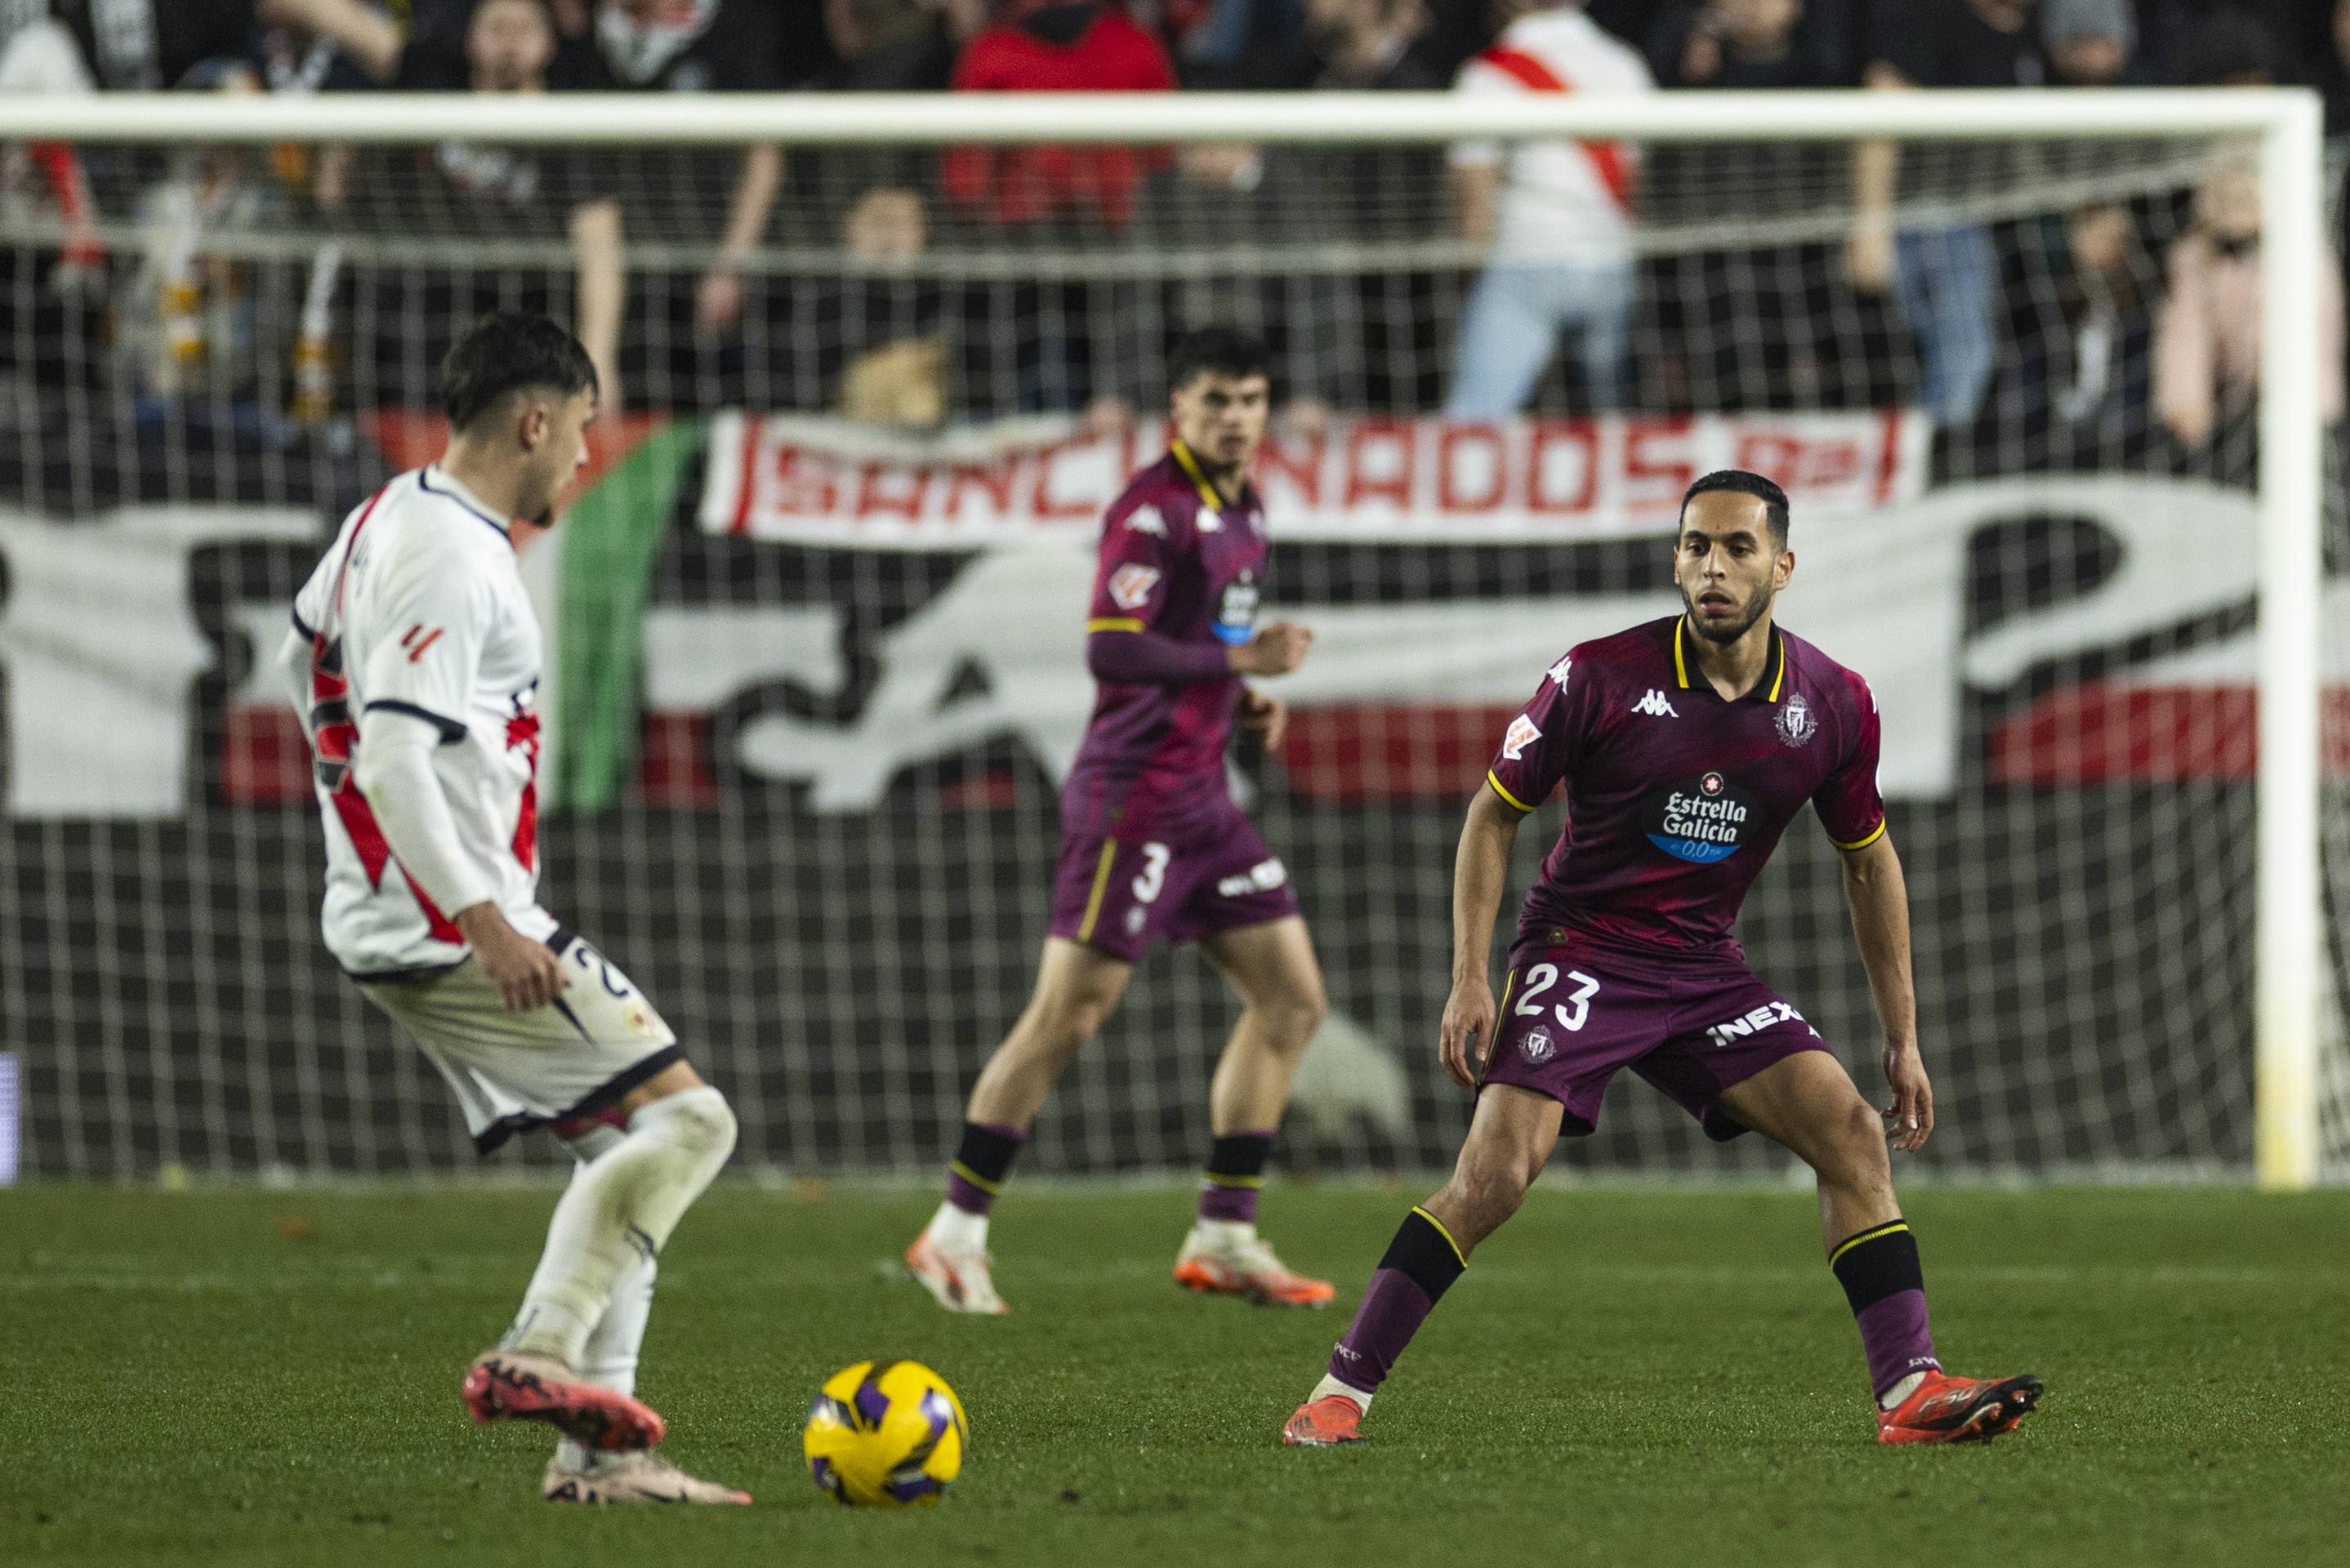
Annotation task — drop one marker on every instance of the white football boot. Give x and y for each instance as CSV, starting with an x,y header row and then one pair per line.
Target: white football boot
x,y
958,1276
641,1476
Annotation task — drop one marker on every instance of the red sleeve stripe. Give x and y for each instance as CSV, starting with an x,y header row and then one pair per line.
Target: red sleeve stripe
x,y
1608,158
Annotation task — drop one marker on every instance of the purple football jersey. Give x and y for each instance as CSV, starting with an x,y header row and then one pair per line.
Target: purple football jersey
x,y
1674,797
1178,561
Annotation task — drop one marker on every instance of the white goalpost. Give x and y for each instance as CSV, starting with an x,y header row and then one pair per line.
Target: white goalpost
x,y
810,797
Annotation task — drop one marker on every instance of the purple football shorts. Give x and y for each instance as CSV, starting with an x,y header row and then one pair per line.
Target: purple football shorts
x,y
1574,1012
1120,891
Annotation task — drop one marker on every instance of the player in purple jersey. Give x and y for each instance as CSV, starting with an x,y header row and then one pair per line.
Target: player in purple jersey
x,y
1685,748
1153,846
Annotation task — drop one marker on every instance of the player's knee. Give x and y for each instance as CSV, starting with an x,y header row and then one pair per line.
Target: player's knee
x,y
1294,1012
1852,1151
1487,1190
705,1122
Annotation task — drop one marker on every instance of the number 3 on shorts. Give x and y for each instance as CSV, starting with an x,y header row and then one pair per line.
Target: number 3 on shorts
x,y
1152,880
1574,1010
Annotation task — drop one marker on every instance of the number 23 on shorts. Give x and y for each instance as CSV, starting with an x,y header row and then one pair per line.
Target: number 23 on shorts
x,y
1571,1013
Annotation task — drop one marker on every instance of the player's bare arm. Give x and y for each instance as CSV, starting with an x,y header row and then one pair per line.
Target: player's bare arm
x,y
1879,901
1480,868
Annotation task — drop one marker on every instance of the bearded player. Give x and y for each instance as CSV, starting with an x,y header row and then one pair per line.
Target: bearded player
x,y
1152,845
1686,747
415,659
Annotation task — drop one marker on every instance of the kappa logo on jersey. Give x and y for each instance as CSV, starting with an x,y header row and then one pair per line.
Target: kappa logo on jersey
x,y
1522,733
1262,877
1537,1045
1655,706
1236,610
1147,519
1770,1015
1796,723
1557,672
416,640
1130,586
1700,820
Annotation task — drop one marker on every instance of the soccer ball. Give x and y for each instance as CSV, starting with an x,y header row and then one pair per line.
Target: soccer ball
x,y
886,1434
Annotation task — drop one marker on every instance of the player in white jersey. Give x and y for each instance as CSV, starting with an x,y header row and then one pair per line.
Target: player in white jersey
x,y
415,659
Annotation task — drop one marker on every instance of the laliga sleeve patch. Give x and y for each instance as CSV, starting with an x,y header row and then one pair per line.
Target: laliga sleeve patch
x,y
1130,586
1522,733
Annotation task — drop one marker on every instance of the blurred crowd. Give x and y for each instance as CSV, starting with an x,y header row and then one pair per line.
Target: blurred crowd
x,y
2130,321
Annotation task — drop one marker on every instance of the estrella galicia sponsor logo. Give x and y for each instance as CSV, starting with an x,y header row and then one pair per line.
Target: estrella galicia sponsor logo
x,y
1700,820
1795,721
1536,1047
1236,610
1770,1015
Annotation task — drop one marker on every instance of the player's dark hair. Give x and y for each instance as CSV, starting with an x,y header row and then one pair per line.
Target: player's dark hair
x,y
1740,481
505,352
1224,350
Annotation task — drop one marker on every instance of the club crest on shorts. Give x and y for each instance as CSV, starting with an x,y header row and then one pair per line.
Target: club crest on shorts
x,y
1796,723
1536,1047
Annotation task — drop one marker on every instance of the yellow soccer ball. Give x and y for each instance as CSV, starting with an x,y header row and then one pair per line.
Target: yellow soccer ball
x,y
886,1434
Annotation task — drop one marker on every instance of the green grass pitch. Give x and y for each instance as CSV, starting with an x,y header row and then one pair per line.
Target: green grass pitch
x,y
1622,1377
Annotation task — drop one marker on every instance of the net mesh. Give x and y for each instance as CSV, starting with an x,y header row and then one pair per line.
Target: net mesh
x,y
812,701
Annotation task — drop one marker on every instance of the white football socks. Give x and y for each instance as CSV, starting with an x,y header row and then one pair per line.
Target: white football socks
x,y
618,1211
610,1360
1329,1385
1901,1390
958,1229
1225,1235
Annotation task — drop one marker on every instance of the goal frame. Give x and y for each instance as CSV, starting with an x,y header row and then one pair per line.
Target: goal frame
x,y
2283,122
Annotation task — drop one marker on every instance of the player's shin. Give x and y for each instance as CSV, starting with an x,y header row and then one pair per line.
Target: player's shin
x,y
1418,1267
1882,1279
975,1177
618,1211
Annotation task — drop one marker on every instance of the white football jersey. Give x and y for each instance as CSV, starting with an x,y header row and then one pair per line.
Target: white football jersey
x,y
1560,201
417,609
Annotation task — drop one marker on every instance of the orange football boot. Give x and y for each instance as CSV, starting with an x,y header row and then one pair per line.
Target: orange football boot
x,y
1945,1409
1323,1423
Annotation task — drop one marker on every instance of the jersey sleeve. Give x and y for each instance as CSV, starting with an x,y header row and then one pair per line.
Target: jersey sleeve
x,y
1847,801
1541,743
428,620
1138,557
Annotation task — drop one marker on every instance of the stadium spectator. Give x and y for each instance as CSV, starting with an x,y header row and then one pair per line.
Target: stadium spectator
x,y
1558,227
2222,46
508,48
895,361
1945,275
2089,42
710,45
2207,335
897,45
1361,46
1748,44
1055,46
38,55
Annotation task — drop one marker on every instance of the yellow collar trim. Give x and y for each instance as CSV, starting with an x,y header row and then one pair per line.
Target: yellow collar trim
x,y
1680,663
1207,496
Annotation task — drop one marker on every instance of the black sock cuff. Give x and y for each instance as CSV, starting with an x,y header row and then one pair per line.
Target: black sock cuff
x,y
985,1157
1878,1262
1239,1161
1424,1252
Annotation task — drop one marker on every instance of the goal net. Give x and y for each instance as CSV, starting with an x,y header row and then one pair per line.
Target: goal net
x,y
815,614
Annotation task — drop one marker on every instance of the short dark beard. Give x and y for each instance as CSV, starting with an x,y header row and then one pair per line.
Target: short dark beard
x,y
1724,639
